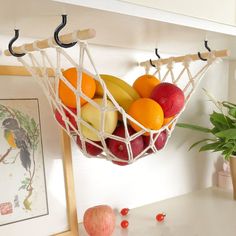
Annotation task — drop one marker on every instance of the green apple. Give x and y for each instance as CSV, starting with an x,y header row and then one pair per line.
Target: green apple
x,y
93,116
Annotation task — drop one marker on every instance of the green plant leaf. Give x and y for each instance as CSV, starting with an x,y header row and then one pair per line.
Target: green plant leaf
x,y
228,104
210,146
219,126
232,112
219,148
227,134
200,141
215,130
219,117
231,108
229,153
228,145
194,127
221,121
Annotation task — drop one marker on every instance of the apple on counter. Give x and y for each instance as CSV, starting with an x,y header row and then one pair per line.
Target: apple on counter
x,y
99,220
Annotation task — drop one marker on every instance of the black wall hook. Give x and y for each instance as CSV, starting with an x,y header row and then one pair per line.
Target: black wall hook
x,y
207,47
151,63
157,54
56,34
11,43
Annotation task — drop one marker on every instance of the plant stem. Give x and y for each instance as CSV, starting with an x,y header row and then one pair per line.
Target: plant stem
x,y
30,188
5,154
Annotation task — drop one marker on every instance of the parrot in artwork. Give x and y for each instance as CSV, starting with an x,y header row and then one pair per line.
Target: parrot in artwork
x,y
17,138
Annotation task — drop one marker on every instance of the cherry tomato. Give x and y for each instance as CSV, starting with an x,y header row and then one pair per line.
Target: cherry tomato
x,y
160,217
124,224
124,211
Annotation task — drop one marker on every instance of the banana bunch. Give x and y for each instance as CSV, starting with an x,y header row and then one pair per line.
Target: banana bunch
x,y
122,92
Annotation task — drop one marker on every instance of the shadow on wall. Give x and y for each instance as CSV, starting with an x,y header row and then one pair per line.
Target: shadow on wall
x,y
200,168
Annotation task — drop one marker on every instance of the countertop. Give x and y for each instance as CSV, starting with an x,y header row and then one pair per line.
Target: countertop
x,y
208,212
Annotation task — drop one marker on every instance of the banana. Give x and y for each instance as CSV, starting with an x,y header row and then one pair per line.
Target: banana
x,y
129,89
123,93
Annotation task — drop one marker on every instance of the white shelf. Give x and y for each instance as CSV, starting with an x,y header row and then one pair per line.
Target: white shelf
x,y
126,25
208,212
141,11
118,24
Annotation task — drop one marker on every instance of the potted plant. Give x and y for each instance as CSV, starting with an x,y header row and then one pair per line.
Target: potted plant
x,y
221,135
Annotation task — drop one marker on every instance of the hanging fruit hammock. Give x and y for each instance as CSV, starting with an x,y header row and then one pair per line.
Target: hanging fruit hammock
x,y
121,124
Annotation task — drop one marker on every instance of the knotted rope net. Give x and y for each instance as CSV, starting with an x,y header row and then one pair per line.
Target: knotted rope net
x,y
38,62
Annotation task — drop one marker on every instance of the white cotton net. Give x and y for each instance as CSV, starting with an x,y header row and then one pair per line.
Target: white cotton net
x,y
38,62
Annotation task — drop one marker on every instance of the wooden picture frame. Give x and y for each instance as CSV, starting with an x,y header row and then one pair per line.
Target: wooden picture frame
x,y
67,163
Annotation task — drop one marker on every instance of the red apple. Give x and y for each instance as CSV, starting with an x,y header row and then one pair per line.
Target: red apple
x,y
90,148
160,142
99,221
71,118
119,148
170,98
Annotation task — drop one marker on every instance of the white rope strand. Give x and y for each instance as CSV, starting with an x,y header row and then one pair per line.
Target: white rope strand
x,y
50,85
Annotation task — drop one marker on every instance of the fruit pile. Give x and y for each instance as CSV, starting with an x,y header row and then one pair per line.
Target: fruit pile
x,y
109,116
101,220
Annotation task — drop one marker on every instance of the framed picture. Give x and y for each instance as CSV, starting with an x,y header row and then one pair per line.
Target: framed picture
x,y
22,161
37,188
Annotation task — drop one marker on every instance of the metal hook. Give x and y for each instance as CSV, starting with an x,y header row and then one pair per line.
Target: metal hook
x,y
207,47
56,34
157,54
151,63
11,43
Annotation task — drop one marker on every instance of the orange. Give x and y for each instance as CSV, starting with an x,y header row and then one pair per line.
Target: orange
x,y
168,120
145,84
67,96
148,113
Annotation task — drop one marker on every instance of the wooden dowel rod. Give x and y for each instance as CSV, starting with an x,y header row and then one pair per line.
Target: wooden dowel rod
x,y
20,70
193,57
66,38
13,70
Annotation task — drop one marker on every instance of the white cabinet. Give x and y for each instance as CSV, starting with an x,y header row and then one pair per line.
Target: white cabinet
x,y
207,15
219,11
129,25
120,24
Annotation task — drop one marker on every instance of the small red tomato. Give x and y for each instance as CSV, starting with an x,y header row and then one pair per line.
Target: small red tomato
x,y
124,211
124,224
160,217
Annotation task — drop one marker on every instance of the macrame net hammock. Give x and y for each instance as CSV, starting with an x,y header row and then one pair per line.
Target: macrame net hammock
x,y
39,61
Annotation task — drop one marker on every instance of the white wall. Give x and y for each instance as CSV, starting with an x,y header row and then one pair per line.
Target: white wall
x,y
171,172
232,81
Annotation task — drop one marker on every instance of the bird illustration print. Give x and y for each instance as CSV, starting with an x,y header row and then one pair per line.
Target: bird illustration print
x,y
17,138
